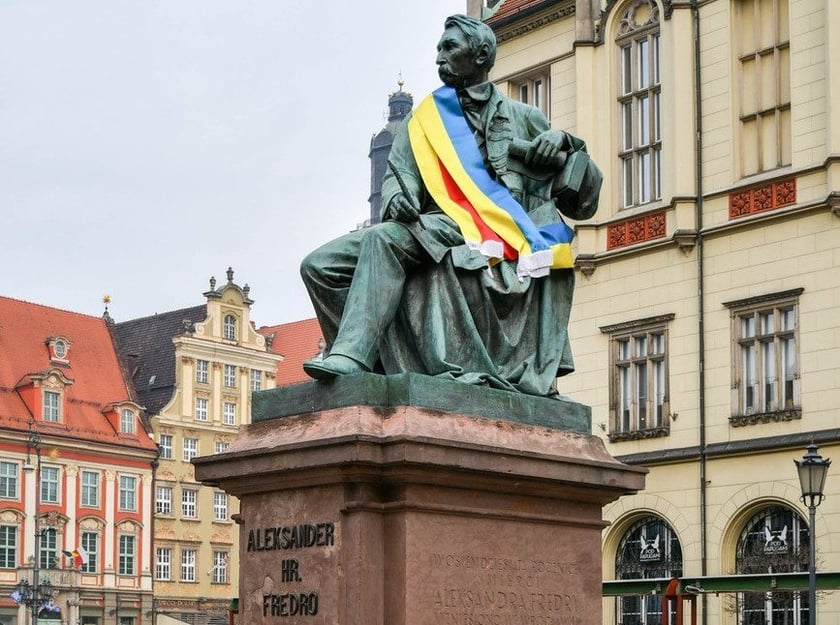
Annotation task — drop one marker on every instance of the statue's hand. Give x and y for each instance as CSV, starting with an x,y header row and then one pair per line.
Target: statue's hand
x,y
403,209
545,148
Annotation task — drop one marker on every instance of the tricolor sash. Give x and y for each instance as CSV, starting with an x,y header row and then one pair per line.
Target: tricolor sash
x,y
489,217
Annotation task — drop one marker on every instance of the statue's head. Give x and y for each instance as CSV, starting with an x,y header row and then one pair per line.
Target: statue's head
x,y
466,51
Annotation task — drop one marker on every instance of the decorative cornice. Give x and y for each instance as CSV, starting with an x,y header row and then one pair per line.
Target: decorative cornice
x,y
761,299
765,417
637,435
626,326
538,21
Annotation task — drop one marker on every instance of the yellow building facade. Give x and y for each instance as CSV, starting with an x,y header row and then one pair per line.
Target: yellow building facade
x,y
195,371
706,322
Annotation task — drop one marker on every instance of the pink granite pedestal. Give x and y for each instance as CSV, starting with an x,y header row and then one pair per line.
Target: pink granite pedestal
x,y
405,515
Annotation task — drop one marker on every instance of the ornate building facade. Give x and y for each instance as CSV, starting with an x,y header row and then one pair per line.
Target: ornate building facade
x,y
76,468
706,323
194,370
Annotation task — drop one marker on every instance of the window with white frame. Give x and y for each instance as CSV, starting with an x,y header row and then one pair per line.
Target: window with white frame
x,y
8,547
763,50
90,489
49,484
127,555
220,506
201,408
90,543
128,493
230,376
163,499
165,446
189,503
639,103
163,563
190,448
220,567
229,413
222,447
229,327
127,421
52,406
639,405
202,371
256,380
8,480
534,89
765,358
188,564
49,549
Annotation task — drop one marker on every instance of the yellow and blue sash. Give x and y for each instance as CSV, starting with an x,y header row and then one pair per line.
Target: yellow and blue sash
x,y
490,218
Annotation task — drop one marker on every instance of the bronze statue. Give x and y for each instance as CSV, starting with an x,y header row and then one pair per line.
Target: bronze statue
x,y
468,276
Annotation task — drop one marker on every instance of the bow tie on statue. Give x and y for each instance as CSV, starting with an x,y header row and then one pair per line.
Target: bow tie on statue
x,y
473,99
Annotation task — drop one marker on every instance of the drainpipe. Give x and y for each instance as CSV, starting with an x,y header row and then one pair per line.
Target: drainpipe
x,y
701,340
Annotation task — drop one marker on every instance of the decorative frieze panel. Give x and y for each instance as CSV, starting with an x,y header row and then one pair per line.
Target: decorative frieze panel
x,y
764,198
636,230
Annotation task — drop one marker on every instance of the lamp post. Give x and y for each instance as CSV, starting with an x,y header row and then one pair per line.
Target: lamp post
x,y
812,470
38,593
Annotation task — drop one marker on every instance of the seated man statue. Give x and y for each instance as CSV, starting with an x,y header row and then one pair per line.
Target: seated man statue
x,y
469,276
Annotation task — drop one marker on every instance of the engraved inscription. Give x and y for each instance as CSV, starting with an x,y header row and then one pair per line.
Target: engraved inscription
x,y
494,590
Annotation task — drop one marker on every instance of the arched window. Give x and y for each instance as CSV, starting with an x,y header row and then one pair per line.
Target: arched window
x,y
775,540
229,327
639,103
649,549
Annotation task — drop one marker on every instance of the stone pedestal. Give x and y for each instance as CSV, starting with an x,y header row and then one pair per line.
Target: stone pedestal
x,y
404,500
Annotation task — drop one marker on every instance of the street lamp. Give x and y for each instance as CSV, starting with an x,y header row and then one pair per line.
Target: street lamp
x,y
812,470
38,594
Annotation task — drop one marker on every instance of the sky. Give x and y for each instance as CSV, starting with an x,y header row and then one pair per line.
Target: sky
x,y
147,145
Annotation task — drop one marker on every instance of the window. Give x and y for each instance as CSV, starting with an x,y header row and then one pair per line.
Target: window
x,y
765,358
229,414
190,448
128,493
8,480
764,57
188,565
639,104
52,406
49,484
220,566
163,500
221,447
127,421
229,327
165,446
201,411
230,376
127,620
639,381
775,540
220,506
49,549
90,489
534,90
202,371
256,380
649,549
163,563
126,555
8,547
189,507
90,543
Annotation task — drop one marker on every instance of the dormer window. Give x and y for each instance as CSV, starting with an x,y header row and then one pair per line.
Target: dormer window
x,y
229,327
127,421
52,406
59,347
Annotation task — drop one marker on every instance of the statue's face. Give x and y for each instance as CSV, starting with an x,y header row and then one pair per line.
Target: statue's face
x,y
457,64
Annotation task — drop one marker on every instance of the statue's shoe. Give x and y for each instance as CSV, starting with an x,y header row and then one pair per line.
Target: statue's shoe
x,y
332,366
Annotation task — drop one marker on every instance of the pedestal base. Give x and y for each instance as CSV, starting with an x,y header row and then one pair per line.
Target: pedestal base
x,y
404,515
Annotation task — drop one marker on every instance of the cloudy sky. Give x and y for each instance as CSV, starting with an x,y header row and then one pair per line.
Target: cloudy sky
x,y
146,145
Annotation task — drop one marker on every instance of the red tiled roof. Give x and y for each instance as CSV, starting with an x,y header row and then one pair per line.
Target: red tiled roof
x,y
93,366
295,341
510,8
